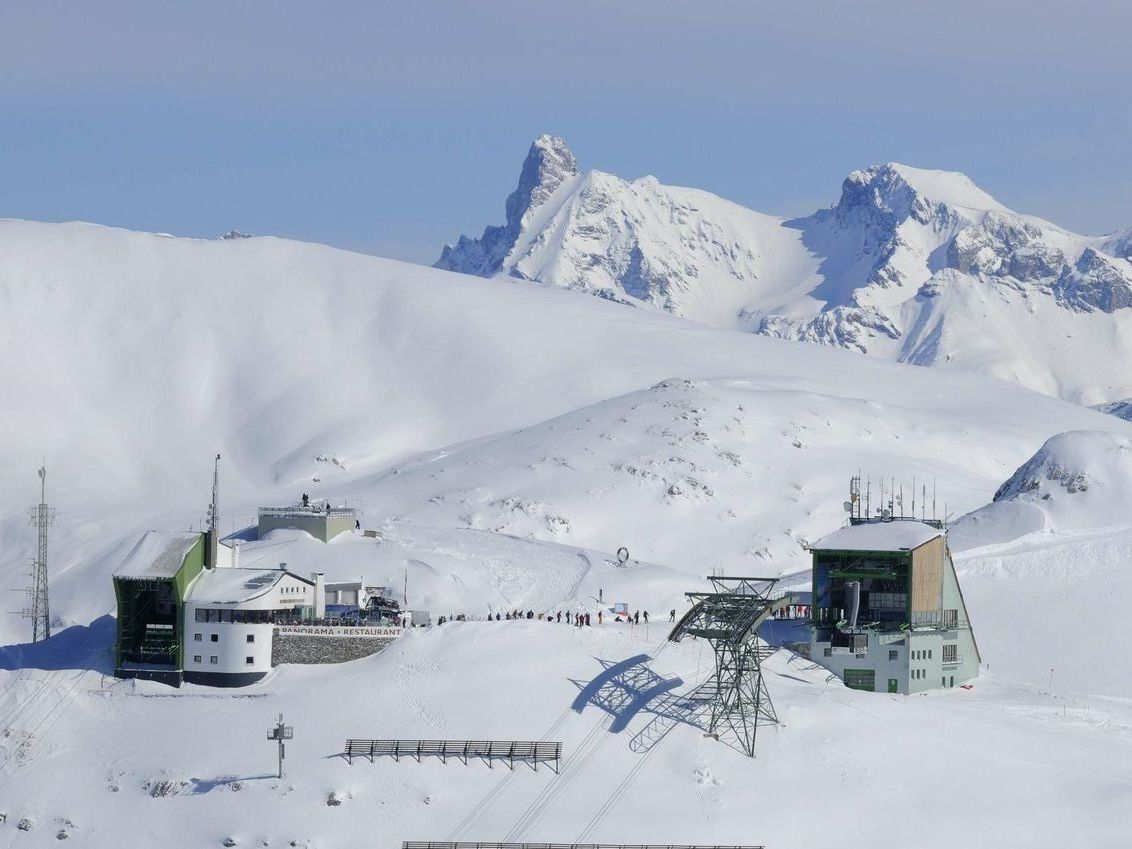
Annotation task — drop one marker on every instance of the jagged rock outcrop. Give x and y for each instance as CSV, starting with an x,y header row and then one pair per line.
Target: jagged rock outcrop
x,y
549,164
1096,282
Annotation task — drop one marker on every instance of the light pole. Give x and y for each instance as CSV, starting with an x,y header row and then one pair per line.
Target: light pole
x,y
280,733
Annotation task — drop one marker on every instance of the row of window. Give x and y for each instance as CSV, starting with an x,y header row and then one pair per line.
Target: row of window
x,y
252,617
249,660
950,654
215,638
888,601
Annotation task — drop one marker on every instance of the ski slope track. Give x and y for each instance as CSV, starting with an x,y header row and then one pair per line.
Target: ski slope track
x,y
505,439
910,264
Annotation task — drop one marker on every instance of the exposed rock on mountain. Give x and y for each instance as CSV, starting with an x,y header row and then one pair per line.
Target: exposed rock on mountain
x,y
909,264
548,165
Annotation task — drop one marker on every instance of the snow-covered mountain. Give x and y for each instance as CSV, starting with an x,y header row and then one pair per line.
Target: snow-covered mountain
x,y
913,265
505,438
445,400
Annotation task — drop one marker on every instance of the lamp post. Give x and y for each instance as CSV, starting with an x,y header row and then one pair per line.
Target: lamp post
x,y
280,733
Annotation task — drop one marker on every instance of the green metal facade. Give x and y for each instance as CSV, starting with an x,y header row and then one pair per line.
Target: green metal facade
x,y
191,566
155,604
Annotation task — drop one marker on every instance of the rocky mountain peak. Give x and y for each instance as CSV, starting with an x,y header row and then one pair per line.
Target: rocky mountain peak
x,y
549,163
893,192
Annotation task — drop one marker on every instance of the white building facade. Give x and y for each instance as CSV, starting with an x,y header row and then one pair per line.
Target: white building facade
x,y
230,615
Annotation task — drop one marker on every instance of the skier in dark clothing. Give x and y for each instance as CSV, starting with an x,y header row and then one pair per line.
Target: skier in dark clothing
x,y
672,615
637,618
646,617
587,620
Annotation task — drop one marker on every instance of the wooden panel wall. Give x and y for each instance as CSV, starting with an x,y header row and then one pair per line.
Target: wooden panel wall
x,y
927,576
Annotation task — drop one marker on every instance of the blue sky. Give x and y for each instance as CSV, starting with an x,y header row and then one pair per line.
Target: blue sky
x,y
392,128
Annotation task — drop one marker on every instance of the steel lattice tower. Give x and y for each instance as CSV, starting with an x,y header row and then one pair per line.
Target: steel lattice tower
x,y
39,608
729,620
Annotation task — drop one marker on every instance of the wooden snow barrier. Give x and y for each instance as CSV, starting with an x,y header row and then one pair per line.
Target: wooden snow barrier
x,y
524,751
417,844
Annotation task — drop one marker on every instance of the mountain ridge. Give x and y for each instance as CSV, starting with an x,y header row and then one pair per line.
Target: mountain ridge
x,y
909,264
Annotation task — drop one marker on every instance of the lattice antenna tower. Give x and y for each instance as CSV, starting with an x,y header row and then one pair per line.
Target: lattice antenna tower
x,y
38,610
214,506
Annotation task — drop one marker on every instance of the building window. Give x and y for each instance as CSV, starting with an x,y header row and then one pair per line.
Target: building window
x,y
951,618
196,638
251,638
929,654
196,658
828,652
214,659
893,654
860,679
201,614
951,653
249,660
214,637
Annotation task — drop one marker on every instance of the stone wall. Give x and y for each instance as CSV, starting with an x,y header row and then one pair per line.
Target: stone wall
x,y
303,648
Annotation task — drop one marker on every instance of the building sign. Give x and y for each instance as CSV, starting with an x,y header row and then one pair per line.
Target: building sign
x,y
381,632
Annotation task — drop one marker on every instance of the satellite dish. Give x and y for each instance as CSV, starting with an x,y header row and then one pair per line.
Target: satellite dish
x,y
622,555
886,513
847,506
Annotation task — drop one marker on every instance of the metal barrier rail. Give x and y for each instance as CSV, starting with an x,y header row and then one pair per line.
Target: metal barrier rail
x,y
488,750
300,512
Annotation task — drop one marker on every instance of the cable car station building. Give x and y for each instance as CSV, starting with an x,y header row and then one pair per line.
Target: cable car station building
x,y
888,614
188,612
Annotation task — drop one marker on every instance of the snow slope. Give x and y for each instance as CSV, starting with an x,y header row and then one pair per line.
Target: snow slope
x,y
504,438
1078,481
910,264
1050,554
1022,763
156,353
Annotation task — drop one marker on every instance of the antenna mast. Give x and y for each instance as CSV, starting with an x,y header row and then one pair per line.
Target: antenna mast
x,y
39,610
214,507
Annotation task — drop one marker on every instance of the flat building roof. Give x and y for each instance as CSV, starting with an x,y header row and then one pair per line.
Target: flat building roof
x,y
893,535
157,554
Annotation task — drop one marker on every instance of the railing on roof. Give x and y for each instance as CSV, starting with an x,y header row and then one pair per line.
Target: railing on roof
x,y
295,511
939,620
